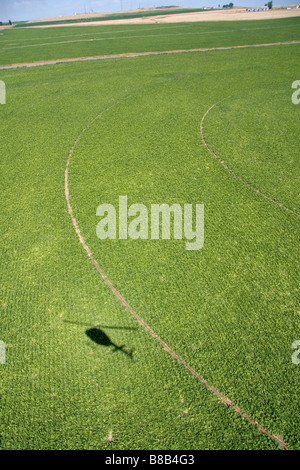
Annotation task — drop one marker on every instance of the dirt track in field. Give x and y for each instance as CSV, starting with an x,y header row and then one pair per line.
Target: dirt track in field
x,y
226,401
139,54
238,177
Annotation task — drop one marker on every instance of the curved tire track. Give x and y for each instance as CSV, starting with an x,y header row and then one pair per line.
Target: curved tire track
x,y
238,177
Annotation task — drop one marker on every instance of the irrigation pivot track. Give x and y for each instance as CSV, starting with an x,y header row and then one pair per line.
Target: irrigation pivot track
x,y
238,177
172,353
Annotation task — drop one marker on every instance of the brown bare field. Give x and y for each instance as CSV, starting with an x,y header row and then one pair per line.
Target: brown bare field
x,y
218,15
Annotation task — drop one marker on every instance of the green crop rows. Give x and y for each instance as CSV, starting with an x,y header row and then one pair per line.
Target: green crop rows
x,y
230,310
18,45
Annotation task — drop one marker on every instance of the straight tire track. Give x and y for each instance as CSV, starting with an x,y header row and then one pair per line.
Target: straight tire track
x,y
139,54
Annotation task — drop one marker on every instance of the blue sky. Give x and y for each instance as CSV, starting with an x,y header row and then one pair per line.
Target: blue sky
x,y
17,10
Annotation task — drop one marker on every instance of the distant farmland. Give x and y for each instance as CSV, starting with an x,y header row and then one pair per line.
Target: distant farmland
x,y
114,16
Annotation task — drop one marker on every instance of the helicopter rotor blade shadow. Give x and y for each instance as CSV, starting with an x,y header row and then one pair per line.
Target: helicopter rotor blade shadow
x,y
102,326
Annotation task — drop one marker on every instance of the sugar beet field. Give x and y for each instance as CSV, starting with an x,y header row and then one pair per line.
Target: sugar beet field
x,y
140,343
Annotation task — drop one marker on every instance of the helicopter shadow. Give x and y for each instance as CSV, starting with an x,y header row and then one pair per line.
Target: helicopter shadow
x,y
99,337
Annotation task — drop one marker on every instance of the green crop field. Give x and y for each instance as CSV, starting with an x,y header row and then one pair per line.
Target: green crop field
x,y
80,371
20,45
